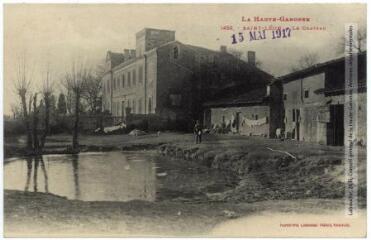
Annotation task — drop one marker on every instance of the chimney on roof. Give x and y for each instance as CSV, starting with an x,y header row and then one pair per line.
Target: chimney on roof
x,y
251,58
223,49
126,54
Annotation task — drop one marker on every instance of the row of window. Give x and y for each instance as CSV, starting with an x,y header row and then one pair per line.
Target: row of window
x,y
128,79
125,80
135,106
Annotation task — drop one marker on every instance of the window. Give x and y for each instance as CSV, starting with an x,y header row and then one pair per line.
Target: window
x,y
268,90
256,117
154,33
123,81
176,52
123,108
140,105
293,115
306,93
140,74
134,77
285,96
129,79
149,105
118,82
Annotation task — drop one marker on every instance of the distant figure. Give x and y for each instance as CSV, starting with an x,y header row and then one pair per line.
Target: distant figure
x,y
278,133
198,132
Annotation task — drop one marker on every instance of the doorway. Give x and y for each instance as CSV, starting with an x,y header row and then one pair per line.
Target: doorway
x,y
297,124
123,110
207,118
296,120
335,128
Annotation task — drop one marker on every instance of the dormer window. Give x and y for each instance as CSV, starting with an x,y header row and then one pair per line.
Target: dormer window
x,y
176,52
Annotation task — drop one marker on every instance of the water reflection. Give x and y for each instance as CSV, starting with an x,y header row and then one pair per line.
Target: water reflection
x,y
113,176
35,161
75,167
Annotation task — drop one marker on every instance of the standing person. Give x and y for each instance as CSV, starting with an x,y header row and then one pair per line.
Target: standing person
x,y
198,132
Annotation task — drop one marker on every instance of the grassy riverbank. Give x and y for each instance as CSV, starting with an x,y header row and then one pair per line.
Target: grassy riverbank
x,y
59,144
273,169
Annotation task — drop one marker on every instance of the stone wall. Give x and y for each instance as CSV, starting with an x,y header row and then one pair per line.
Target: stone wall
x,y
304,95
314,109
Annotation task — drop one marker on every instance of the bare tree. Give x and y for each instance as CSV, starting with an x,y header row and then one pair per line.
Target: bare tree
x,y
93,93
62,105
35,123
69,97
47,91
16,111
76,81
305,61
360,44
100,69
22,87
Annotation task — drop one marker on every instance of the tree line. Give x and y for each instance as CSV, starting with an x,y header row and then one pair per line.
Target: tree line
x,y
82,92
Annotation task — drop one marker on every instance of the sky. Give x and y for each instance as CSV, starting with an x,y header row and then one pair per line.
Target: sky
x,y
55,34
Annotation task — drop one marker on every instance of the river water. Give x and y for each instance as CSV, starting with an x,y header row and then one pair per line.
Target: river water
x,y
111,176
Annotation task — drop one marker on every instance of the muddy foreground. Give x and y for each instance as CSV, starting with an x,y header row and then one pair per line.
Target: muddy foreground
x,y
39,214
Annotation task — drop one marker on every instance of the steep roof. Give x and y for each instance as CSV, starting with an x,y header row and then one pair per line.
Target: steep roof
x,y
115,58
315,68
118,59
250,67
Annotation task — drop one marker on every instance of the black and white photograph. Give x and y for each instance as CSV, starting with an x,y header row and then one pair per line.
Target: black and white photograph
x,y
184,120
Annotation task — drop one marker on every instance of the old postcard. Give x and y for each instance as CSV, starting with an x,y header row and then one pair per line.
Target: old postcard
x,y
213,120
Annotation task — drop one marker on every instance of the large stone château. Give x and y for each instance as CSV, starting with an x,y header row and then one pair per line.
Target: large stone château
x,y
172,80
